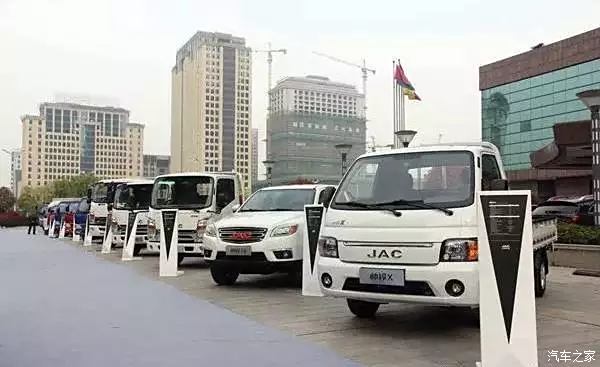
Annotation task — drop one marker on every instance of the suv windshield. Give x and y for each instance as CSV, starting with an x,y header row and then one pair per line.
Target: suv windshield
x,y
133,197
190,192
73,207
279,200
409,181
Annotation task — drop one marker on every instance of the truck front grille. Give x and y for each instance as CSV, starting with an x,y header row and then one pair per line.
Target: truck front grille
x,y
186,236
411,288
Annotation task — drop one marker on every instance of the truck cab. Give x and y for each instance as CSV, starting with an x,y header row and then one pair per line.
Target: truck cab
x,y
81,214
101,196
409,216
131,197
197,197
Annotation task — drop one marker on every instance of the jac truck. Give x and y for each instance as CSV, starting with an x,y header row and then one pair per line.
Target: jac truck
x,y
131,197
402,227
100,197
196,197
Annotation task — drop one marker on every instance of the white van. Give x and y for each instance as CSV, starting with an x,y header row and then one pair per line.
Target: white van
x,y
197,197
131,197
265,235
402,227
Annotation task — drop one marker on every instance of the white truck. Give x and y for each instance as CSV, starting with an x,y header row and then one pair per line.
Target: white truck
x,y
402,227
101,196
197,197
132,197
263,236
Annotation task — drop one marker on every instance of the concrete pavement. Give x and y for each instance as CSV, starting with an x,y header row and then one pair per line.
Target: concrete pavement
x,y
61,306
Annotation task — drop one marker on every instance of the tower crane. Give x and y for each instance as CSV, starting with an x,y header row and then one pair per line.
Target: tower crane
x,y
269,51
373,147
363,68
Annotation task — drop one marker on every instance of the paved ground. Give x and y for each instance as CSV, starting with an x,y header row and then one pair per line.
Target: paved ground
x,y
416,336
61,307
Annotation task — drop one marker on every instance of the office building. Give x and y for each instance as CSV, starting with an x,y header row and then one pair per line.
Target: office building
x,y
254,158
69,139
309,116
531,112
210,106
15,170
156,165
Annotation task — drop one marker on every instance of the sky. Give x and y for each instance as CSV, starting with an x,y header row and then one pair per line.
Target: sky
x,y
122,51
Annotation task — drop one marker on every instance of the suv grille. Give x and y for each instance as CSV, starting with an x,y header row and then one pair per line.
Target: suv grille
x,y
242,234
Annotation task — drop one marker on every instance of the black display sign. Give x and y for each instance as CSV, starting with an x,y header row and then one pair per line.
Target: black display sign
x,y
314,216
168,217
107,225
130,223
504,217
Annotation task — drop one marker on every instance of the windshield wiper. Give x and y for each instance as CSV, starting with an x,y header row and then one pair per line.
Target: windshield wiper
x,y
415,204
358,204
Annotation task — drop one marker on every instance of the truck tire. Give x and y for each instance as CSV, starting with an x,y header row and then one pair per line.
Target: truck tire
x,y
180,258
137,249
223,276
540,271
362,309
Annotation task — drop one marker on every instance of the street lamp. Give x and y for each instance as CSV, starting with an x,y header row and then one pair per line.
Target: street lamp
x,y
269,167
591,98
343,150
405,137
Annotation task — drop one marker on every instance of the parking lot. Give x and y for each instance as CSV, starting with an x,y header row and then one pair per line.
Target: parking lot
x,y
568,317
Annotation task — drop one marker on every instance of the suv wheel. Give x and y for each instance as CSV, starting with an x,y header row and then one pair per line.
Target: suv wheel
x,y
223,276
362,309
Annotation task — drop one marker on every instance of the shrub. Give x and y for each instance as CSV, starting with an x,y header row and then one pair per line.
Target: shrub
x,y
12,219
574,233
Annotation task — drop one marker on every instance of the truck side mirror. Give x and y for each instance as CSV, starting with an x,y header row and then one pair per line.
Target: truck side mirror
x,y
499,184
326,196
235,207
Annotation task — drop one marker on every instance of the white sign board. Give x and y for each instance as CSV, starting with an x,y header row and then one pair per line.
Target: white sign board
x,y
168,244
507,301
313,223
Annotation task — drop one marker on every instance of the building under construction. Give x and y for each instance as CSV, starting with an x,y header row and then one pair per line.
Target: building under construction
x,y
308,117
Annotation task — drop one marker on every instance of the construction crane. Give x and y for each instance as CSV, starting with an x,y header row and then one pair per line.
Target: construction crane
x,y
373,147
270,53
363,68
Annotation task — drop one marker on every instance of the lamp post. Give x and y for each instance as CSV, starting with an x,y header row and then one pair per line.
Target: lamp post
x,y
591,98
343,150
405,137
269,167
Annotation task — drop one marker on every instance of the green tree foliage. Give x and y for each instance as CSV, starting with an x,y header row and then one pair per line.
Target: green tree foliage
x,y
7,199
72,187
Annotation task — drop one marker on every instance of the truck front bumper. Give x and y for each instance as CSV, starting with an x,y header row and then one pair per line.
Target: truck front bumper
x,y
425,284
185,249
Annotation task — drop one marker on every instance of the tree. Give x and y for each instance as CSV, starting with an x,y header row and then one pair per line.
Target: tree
x,y
7,199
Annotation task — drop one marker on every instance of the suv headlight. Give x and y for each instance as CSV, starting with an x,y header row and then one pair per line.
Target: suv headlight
x,y
285,230
462,249
328,247
211,231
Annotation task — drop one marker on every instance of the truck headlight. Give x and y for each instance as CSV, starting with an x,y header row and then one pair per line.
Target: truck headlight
x,y
328,247
211,231
462,249
200,229
285,230
153,232
92,218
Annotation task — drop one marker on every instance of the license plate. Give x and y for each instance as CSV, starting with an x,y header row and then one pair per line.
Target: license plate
x,y
238,251
381,276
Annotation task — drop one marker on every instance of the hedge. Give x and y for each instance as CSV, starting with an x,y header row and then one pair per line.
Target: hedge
x,y
12,219
577,234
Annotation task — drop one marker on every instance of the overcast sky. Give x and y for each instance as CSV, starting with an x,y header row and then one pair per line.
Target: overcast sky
x,y
123,51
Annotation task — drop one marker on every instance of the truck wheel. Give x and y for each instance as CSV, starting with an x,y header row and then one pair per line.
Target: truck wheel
x,y
180,258
137,249
223,276
46,232
540,272
362,309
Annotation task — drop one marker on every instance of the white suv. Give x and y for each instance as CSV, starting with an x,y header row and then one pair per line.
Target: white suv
x,y
265,235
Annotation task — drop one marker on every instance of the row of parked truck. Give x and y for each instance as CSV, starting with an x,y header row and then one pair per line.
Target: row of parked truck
x,y
401,226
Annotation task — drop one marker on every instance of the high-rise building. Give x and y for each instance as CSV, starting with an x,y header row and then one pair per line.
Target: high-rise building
x,y
68,139
15,170
531,112
254,158
156,165
210,105
309,116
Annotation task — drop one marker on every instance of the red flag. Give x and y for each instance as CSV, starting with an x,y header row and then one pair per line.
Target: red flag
x,y
401,78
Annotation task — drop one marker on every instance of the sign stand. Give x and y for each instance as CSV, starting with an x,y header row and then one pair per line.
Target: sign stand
x,y
130,238
75,237
61,232
310,253
51,229
108,236
506,294
167,266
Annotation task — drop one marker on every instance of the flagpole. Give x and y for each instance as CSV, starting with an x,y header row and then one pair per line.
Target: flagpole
x,y
402,124
395,101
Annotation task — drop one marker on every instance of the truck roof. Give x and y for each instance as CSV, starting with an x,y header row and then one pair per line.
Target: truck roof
x,y
139,182
470,146
115,180
209,174
296,187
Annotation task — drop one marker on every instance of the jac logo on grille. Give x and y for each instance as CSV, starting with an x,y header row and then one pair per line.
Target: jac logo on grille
x,y
241,236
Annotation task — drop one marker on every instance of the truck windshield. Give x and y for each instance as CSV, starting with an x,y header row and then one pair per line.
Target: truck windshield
x,y
133,197
185,192
100,192
442,179
279,200
84,207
